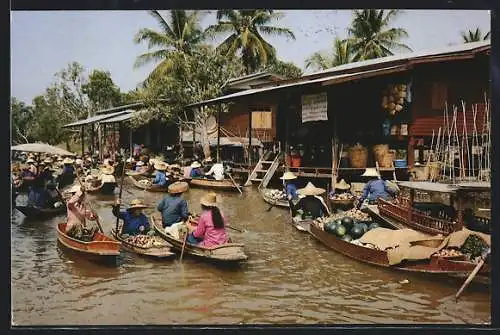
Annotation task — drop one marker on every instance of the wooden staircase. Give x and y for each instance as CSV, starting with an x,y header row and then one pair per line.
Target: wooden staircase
x,y
264,170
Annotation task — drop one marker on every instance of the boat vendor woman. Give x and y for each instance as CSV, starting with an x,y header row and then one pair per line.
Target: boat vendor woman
x,y
290,188
312,205
211,228
107,175
77,214
139,166
196,170
375,188
173,207
161,178
134,221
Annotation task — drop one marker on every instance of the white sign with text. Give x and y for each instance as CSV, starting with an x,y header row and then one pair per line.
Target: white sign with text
x,y
314,107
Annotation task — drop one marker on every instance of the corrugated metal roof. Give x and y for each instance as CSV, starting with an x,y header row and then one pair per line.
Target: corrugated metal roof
x,y
121,108
406,56
338,78
93,119
121,118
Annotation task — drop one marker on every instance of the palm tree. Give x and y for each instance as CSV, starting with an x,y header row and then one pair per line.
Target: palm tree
x,y
475,36
246,28
371,36
180,32
342,54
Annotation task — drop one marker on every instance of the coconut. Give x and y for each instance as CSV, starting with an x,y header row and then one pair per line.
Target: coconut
x,y
392,106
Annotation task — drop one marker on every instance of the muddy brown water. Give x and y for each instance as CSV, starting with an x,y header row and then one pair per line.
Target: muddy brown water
x,y
289,279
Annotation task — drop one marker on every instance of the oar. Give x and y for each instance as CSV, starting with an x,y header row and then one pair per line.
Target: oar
x,y
183,246
272,205
235,229
234,183
471,276
120,197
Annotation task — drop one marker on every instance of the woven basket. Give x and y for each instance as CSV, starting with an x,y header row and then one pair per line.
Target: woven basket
x,y
434,170
386,160
358,156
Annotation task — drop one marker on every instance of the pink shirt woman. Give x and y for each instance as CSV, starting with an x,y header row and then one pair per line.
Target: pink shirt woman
x,y
77,212
205,230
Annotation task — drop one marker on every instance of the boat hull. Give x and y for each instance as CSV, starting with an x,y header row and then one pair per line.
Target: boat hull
x,y
226,253
135,181
278,203
41,213
153,252
225,184
102,247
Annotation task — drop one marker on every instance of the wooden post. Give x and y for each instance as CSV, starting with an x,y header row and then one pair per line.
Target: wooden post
x,y
83,139
250,152
460,214
92,139
218,134
410,204
130,140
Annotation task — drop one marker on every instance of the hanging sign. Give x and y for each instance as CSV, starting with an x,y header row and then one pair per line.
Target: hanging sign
x,y
314,107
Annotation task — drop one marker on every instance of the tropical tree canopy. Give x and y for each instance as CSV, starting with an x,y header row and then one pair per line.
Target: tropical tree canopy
x,y
287,70
180,32
475,36
371,36
342,54
246,29
102,91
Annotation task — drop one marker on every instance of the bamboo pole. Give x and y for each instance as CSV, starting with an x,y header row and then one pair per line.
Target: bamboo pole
x,y
466,141
475,143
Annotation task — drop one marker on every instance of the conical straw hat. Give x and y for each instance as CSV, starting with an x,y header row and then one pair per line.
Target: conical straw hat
x,y
288,176
371,172
108,170
209,200
310,189
178,187
342,185
195,165
160,166
137,204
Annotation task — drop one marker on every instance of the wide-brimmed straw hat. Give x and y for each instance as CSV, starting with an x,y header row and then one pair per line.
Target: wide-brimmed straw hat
x,y
59,159
75,188
288,176
30,160
137,204
160,166
78,161
195,165
371,172
310,189
48,160
342,185
140,163
129,160
178,187
108,170
209,200
67,161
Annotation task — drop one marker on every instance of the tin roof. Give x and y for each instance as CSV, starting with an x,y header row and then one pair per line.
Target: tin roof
x,y
93,119
124,117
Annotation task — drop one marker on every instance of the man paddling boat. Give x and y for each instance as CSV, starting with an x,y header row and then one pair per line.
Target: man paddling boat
x,y
77,214
134,221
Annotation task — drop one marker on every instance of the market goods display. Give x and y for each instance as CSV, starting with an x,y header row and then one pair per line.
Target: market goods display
x,y
474,246
274,194
394,98
145,182
347,196
448,253
144,241
354,213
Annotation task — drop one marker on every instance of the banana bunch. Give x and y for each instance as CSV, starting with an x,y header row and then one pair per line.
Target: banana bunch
x,y
394,98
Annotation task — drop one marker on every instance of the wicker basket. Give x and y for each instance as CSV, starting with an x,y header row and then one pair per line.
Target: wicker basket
x,y
358,156
434,170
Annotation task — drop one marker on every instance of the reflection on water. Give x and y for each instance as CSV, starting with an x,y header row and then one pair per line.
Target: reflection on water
x,y
289,278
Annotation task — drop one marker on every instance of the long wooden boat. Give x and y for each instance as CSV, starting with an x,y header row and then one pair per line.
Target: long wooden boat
x,y
41,213
162,251
228,253
435,265
101,247
104,188
276,202
300,225
226,184
153,188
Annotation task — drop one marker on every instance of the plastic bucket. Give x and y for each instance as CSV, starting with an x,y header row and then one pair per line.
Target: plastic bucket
x,y
400,163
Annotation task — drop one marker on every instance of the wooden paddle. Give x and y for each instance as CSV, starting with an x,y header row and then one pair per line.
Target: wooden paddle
x,y
120,197
234,183
471,276
272,205
183,246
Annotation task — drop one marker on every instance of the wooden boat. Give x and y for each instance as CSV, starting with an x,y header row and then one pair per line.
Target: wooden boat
x,y
225,184
41,213
153,188
104,188
434,265
228,253
420,216
163,251
301,225
276,202
101,247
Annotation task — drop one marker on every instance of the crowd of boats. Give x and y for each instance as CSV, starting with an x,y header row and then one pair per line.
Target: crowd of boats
x,y
435,237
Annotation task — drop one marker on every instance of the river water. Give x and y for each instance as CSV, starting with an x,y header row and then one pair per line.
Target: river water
x,y
289,279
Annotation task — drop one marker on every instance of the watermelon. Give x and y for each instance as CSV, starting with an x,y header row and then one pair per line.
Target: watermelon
x,y
330,227
338,221
373,225
347,238
340,230
357,231
364,226
347,222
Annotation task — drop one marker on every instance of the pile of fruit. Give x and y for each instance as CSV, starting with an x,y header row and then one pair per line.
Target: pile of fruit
x,y
394,98
342,196
448,253
145,182
274,194
346,228
145,241
354,213
474,246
